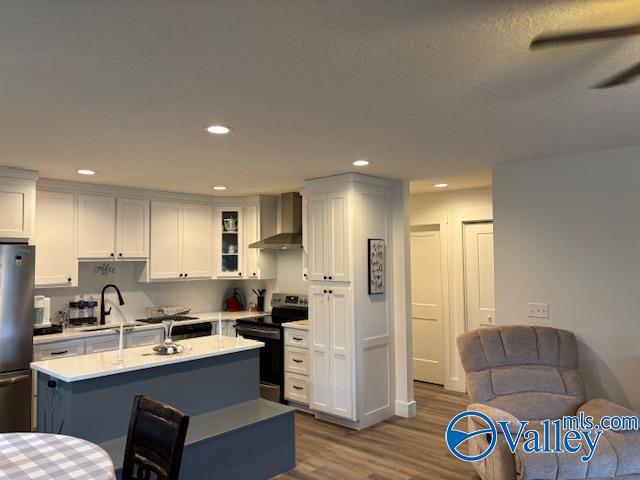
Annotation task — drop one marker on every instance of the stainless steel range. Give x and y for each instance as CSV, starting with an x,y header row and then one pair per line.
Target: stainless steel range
x,y
268,329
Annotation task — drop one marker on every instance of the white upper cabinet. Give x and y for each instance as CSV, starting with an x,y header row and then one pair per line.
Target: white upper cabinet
x,y
316,233
197,252
165,258
17,204
229,242
337,248
110,228
55,240
132,229
327,237
96,227
260,221
181,243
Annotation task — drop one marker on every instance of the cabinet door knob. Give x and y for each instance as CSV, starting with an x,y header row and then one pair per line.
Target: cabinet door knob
x,y
119,254
113,254
180,275
69,279
240,274
330,278
304,275
330,291
324,278
324,291
186,274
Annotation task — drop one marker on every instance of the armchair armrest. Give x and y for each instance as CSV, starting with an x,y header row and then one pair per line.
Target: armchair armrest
x,y
496,414
600,407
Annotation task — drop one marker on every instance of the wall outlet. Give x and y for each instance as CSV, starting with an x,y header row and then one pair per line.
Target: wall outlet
x,y
538,310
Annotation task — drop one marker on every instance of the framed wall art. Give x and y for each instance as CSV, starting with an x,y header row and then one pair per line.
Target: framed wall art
x,y
376,266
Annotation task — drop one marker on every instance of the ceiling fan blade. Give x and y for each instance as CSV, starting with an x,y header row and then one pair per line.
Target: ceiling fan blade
x,y
621,78
550,40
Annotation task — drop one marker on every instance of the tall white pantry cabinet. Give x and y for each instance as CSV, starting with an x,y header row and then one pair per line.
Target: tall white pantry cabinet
x,y
351,340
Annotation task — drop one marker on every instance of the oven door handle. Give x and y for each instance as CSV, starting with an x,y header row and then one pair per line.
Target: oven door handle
x,y
258,332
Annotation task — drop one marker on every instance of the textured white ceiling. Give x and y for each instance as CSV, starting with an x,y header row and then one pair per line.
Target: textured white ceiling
x,y
424,89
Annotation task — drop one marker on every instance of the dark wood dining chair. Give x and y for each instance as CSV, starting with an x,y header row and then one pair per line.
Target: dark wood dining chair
x,y
155,441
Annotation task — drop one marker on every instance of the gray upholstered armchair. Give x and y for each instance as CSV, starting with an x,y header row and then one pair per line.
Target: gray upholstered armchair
x,y
531,373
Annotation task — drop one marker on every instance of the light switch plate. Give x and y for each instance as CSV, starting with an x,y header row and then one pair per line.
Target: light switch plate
x,y
538,310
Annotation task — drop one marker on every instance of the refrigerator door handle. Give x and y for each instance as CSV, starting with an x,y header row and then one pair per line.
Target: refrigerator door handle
x,y
17,379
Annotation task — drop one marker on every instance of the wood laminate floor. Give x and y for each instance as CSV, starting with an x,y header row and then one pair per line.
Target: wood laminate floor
x,y
397,449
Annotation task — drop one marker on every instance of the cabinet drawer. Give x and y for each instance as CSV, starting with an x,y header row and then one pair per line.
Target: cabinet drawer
x,y
296,360
146,337
50,351
101,344
295,337
296,387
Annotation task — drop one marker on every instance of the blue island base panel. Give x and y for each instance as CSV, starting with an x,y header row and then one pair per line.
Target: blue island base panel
x,y
256,452
99,409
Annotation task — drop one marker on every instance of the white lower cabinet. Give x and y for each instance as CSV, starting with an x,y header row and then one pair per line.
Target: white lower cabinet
x,y
102,343
331,337
296,360
296,365
144,337
49,351
296,387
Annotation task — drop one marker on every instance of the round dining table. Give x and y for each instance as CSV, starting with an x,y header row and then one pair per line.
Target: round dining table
x,y
44,456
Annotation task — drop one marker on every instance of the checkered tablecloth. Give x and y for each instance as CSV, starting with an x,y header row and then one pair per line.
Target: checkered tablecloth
x,y
43,456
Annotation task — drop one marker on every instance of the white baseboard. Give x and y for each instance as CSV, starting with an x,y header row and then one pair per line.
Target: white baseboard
x,y
406,409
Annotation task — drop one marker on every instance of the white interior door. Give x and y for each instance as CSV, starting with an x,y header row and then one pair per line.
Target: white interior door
x,y
479,280
426,303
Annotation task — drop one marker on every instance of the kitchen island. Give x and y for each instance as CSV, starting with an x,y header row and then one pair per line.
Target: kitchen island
x,y
90,397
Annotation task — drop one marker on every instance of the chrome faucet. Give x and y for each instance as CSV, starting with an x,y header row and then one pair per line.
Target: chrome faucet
x,y
104,313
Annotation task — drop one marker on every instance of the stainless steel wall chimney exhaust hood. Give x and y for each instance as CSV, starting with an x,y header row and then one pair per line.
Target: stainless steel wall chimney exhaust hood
x,y
290,225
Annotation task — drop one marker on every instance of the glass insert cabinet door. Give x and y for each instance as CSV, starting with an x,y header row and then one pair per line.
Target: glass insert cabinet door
x,y
230,244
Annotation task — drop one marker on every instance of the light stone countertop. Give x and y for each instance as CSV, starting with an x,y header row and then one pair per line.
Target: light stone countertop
x,y
95,365
79,333
299,325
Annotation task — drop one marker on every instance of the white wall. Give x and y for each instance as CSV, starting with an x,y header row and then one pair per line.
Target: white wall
x,y
289,279
567,233
425,207
201,295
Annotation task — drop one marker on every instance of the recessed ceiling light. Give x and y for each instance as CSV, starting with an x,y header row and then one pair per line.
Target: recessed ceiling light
x,y
86,171
219,187
218,129
441,185
361,163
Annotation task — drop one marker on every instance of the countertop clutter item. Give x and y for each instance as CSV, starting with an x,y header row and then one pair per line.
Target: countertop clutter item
x,y
259,298
161,313
83,312
233,301
41,310
17,270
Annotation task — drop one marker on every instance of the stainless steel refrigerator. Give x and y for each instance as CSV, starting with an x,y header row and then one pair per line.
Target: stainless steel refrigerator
x,y
17,273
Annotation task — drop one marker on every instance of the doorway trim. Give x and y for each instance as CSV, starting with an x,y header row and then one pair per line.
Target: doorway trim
x,y
455,323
